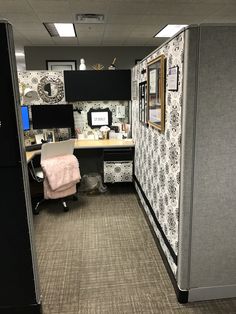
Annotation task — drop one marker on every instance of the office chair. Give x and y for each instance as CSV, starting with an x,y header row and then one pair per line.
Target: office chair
x,y
52,151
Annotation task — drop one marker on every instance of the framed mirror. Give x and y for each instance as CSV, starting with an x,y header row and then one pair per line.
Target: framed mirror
x,y
51,89
156,92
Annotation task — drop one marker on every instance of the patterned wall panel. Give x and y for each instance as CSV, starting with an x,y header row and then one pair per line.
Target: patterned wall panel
x,y
157,155
33,79
85,106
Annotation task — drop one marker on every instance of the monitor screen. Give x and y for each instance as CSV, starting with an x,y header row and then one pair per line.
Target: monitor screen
x,y
52,116
25,118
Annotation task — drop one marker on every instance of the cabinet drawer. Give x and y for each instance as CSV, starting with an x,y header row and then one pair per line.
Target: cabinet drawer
x,y
118,171
118,154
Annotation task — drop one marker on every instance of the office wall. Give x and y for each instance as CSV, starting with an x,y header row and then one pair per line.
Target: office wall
x,y
157,155
35,56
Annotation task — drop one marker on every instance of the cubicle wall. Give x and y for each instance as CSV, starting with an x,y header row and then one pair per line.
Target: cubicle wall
x,y
207,267
157,155
185,177
19,288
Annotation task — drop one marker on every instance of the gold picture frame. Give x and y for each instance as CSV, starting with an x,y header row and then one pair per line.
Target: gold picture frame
x,y
156,92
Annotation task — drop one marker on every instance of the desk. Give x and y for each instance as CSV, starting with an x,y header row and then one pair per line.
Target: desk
x,y
113,158
91,144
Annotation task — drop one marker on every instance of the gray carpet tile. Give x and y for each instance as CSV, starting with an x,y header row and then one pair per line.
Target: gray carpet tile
x,y
100,257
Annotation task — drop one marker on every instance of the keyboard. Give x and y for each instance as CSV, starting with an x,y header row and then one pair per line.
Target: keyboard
x,y
33,147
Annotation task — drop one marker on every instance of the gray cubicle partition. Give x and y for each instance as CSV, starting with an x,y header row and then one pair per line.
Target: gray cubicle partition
x,y
207,250
19,283
185,176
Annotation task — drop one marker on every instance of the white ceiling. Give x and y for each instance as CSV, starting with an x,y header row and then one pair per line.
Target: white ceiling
x,y
127,22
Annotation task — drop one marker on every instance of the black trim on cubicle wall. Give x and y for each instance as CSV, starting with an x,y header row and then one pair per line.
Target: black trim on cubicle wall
x,y
182,296
172,253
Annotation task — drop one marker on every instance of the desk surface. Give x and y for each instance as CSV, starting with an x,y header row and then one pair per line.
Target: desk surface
x,y
91,144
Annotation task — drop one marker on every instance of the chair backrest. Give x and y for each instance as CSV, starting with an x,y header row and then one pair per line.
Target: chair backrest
x,y
54,149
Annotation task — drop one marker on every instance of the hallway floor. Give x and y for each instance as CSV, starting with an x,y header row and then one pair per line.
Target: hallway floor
x,y
100,257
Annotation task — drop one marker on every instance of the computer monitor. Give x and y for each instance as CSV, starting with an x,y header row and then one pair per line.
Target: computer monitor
x,y
52,116
25,118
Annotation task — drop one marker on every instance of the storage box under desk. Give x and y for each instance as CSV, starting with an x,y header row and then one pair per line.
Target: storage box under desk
x,y
118,165
118,171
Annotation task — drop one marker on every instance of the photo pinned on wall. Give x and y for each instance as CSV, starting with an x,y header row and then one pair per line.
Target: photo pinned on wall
x,y
61,65
173,78
143,103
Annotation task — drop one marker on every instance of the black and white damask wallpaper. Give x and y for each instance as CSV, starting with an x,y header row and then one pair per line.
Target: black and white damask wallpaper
x,y
157,155
37,79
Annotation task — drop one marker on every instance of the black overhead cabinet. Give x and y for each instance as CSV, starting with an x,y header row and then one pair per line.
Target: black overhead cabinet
x,y
97,85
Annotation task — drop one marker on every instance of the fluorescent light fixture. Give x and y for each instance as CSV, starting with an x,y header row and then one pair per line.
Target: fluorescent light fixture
x,y
169,30
19,54
65,29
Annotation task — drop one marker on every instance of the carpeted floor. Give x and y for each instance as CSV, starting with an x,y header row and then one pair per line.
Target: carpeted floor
x,y
100,257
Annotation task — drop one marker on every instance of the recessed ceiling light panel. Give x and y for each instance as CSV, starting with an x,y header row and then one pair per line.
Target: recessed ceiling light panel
x,y
169,30
65,29
60,29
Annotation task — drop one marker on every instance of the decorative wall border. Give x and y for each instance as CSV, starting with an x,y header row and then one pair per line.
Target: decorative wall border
x,y
182,295
167,243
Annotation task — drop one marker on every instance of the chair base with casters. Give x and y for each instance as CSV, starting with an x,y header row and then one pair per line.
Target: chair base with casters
x,y
36,208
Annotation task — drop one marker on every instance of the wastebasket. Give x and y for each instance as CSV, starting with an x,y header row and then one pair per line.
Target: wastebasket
x,y
92,183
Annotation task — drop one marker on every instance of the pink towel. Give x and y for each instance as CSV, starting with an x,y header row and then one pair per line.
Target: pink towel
x,y
60,176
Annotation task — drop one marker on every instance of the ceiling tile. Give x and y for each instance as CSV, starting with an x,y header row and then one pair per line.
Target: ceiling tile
x,y
123,18
90,28
50,6
183,8
15,6
55,17
92,6
134,20
22,17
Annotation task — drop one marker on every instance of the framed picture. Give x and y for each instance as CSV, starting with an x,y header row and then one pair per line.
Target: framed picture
x,y
156,92
61,65
173,78
143,102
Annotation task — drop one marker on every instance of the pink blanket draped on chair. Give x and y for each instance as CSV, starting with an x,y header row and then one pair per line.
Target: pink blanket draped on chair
x,y
60,176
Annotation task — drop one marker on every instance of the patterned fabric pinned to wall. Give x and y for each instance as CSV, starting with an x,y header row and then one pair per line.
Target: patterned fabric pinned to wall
x,y
157,155
85,106
39,80
48,84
